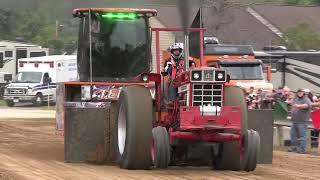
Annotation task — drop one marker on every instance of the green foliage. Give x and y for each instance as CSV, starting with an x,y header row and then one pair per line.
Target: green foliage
x,y
35,20
8,23
302,2
37,27
302,37
316,2
33,25
293,2
2,103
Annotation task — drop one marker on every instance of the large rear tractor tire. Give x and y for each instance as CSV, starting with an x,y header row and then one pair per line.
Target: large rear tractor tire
x,y
229,153
160,149
235,97
133,135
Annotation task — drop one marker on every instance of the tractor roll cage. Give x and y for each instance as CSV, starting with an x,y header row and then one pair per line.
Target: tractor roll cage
x,y
103,47
158,53
158,30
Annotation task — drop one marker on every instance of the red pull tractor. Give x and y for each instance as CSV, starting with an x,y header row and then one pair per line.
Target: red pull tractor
x,y
115,47
205,110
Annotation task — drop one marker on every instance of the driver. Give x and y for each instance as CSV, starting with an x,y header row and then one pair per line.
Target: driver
x,y
174,66
175,63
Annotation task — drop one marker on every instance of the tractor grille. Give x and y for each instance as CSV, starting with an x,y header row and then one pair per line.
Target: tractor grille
x,y
207,94
16,91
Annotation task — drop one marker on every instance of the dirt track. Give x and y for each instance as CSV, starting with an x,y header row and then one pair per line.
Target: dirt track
x,y
29,149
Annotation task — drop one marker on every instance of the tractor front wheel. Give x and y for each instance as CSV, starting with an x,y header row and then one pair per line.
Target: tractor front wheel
x,y
133,134
229,154
160,148
228,157
252,150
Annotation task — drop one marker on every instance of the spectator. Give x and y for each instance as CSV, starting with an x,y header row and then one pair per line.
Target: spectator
x,y
314,97
251,91
267,101
257,101
289,100
192,63
300,114
311,96
285,93
307,92
277,94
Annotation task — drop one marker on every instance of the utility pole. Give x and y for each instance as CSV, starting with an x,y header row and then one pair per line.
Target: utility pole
x,y
57,26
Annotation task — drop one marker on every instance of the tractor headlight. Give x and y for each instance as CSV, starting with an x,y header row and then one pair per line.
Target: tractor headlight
x,y
196,76
219,75
85,93
145,78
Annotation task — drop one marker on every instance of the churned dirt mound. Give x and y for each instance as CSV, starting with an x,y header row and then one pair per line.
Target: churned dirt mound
x,y
29,149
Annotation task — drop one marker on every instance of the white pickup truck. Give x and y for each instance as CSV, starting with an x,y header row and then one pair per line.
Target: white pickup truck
x,y
37,77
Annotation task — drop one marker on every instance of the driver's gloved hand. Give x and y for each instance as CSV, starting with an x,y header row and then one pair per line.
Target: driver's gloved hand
x,y
168,68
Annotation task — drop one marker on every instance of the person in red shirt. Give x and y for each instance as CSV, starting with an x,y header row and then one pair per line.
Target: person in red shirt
x,y
174,66
175,63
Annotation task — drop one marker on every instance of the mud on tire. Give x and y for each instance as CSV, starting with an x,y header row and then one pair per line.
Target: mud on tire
x,y
252,150
235,97
228,157
133,133
229,154
161,147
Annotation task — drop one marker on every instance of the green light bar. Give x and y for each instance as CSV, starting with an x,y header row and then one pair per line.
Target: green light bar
x,y
129,16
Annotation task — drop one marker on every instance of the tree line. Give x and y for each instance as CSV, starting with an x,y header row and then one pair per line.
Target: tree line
x,y
35,21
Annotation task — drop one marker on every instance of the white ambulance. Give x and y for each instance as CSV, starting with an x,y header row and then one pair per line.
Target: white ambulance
x,y
37,77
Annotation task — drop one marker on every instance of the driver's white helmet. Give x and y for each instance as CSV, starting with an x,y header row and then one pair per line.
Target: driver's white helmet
x,y
176,46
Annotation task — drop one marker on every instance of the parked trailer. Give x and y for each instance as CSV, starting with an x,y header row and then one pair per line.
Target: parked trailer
x,y
294,69
11,51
